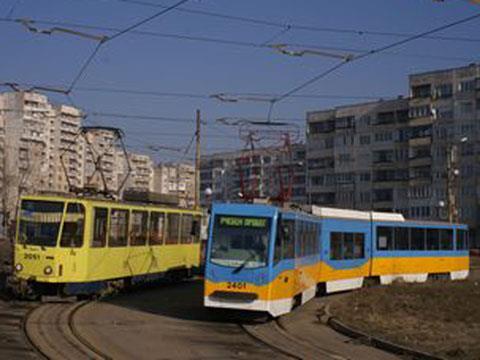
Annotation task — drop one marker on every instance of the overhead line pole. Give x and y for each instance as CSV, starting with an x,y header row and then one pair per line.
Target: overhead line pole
x,y
197,160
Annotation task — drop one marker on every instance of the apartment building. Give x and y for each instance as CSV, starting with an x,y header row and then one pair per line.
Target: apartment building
x,y
262,172
391,155
176,179
444,114
357,155
41,150
141,173
102,162
67,149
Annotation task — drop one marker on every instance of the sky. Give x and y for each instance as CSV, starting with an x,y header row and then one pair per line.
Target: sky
x,y
157,65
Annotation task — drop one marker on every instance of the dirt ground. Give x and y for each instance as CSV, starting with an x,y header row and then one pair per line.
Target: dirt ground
x,y
440,317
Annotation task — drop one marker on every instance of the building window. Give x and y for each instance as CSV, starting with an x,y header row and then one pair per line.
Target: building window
x,y
421,91
364,139
466,86
365,176
465,107
384,136
419,111
443,91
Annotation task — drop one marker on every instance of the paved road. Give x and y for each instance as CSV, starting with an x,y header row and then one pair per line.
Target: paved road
x,y
170,322
13,344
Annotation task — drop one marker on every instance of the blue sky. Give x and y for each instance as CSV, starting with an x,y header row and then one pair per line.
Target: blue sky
x,y
162,64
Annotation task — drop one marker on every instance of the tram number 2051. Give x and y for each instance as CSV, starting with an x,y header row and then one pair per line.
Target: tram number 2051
x,y
236,285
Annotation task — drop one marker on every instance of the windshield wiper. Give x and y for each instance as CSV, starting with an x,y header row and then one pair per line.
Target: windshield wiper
x,y
244,263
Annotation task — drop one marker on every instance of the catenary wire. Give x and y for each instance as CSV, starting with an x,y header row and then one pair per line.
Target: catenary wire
x,y
128,91
237,42
295,26
370,53
105,40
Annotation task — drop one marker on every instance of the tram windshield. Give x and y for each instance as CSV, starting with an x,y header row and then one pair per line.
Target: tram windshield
x,y
240,242
40,222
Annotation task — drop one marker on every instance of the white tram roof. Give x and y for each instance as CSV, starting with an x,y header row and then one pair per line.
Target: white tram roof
x,y
326,212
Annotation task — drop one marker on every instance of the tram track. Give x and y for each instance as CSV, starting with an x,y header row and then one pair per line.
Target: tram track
x,y
273,335
51,331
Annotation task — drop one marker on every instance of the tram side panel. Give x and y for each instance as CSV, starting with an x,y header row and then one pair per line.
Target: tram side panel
x,y
412,251
346,254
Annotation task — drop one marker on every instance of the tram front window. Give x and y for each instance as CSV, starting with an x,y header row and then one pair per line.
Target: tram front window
x,y
40,222
240,242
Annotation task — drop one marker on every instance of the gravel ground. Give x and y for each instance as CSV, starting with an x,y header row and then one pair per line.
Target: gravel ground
x,y
442,318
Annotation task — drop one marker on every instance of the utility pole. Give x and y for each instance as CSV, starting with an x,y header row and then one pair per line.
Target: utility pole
x,y
452,173
197,161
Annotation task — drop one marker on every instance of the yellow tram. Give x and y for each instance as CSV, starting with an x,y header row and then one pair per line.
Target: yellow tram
x,y
79,245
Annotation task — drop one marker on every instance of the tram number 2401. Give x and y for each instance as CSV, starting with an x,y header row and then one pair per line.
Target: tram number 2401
x,y
236,285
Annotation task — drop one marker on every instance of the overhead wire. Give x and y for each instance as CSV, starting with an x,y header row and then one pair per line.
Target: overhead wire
x,y
12,9
294,26
108,39
127,91
367,54
238,43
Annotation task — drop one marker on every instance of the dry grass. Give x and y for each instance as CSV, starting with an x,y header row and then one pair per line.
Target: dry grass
x,y
442,318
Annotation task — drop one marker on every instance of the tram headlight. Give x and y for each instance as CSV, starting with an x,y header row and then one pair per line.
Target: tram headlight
x,y
48,270
18,267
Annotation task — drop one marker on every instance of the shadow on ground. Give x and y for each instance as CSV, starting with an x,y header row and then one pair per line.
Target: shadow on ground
x,y
182,301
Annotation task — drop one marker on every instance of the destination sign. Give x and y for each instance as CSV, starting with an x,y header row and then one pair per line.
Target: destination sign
x,y
236,221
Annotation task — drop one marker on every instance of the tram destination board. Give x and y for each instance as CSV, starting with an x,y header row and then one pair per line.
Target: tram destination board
x,y
241,221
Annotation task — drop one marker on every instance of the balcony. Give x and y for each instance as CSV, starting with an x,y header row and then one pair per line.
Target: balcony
x,y
420,121
420,141
422,160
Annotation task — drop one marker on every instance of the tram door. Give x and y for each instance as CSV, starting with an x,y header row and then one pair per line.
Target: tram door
x,y
71,240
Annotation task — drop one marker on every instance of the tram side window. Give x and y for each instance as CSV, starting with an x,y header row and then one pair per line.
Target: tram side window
x,y
359,243
307,238
173,227
186,233
433,239
157,221
417,236
118,228
462,240
72,231
138,234
285,242
100,227
347,246
336,246
446,239
402,238
196,229
385,238
300,238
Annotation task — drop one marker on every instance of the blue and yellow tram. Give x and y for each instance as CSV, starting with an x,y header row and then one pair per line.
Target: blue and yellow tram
x,y
265,258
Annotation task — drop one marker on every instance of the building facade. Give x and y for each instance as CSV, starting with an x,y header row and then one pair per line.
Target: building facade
x,y
41,150
262,172
176,179
392,155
